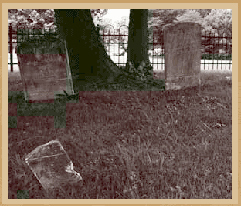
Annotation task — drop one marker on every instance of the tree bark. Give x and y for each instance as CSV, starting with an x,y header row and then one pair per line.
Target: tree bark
x,y
137,50
88,59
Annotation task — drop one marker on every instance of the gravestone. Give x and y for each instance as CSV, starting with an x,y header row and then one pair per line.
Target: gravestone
x,y
182,44
44,68
52,166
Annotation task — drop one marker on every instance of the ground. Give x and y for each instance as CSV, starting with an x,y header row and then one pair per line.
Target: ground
x,y
131,144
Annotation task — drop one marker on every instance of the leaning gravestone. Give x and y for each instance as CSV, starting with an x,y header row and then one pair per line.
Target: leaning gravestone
x,y
52,166
182,44
44,67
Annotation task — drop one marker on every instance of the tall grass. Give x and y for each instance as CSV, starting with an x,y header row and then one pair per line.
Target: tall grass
x,y
132,144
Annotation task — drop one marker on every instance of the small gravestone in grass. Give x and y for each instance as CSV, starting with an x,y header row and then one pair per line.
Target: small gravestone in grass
x,y
52,166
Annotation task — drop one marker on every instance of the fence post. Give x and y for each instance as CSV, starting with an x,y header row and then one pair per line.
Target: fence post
x,y
11,45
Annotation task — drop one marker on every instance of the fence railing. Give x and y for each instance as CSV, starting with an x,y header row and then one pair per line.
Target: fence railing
x,y
13,38
156,49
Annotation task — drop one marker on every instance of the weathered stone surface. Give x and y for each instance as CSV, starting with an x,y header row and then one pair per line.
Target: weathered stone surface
x,y
51,166
182,43
44,71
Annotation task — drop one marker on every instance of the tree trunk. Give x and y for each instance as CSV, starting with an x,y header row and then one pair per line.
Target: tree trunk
x,y
88,59
137,50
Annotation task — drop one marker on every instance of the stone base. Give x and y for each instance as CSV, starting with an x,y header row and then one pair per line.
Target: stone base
x,y
175,83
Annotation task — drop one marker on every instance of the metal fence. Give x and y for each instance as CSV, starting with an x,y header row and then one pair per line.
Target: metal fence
x,y
210,45
214,47
16,36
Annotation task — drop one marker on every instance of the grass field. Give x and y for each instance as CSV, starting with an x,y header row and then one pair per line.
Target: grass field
x,y
130,144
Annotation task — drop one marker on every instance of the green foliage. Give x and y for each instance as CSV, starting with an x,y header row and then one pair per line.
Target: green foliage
x,y
217,56
67,97
208,56
12,122
214,20
220,21
217,20
16,97
142,72
40,18
31,18
46,44
189,16
23,194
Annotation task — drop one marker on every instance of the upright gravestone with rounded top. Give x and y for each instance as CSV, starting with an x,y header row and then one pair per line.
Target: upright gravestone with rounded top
x,y
182,43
